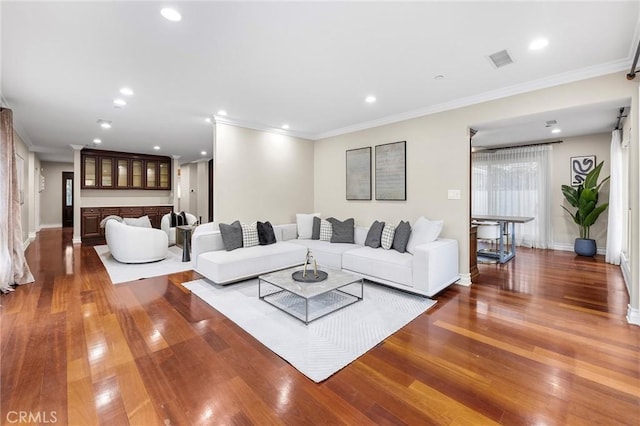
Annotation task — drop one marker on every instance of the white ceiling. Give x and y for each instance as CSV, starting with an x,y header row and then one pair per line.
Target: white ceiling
x,y
309,64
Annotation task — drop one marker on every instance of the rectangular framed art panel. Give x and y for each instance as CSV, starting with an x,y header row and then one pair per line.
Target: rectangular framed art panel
x,y
580,168
391,171
359,174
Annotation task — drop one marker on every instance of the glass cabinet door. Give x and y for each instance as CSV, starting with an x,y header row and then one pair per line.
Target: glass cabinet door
x,y
152,171
122,176
89,178
164,175
106,172
136,173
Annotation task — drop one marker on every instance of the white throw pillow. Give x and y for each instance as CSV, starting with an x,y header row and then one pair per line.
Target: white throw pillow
x,y
142,222
386,240
326,230
305,225
250,234
424,231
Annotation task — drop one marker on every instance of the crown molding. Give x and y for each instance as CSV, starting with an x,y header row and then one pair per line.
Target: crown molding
x,y
543,83
261,127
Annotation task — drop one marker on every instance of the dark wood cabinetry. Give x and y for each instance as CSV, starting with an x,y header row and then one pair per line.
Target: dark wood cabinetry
x,y
473,253
90,230
121,170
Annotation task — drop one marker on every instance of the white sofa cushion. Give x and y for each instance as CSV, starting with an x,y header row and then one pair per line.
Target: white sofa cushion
x,y
224,267
142,222
424,231
386,264
305,224
326,253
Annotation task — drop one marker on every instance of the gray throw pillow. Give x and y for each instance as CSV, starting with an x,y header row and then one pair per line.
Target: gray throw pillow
x,y
266,234
374,236
315,233
231,235
342,231
401,237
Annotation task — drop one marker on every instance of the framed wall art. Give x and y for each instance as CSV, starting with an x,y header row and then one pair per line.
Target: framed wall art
x,y
391,171
580,168
359,174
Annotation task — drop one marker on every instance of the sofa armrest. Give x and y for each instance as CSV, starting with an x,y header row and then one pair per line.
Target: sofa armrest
x,y
205,238
435,265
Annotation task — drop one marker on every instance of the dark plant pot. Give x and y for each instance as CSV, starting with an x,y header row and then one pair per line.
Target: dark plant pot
x,y
585,247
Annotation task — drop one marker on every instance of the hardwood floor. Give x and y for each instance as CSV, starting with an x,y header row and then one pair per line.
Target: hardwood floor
x,y
540,340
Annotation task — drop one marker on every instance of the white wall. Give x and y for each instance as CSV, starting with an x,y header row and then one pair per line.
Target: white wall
x,y
51,197
438,155
261,176
565,231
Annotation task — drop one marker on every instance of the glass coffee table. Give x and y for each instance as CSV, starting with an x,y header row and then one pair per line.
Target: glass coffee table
x,y
310,301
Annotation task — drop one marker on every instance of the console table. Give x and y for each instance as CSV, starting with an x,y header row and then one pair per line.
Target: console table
x,y
505,251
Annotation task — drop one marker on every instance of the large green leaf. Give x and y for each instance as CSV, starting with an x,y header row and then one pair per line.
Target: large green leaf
x,y
571,194
591,180
591,218
575,219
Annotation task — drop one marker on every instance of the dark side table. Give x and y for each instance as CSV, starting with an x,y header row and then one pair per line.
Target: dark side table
x,y
184,232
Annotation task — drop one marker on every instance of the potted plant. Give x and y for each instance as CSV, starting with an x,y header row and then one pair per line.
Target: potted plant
x,y
584,198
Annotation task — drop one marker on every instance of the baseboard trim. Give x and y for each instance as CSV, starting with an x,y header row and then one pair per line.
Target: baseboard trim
x,y
51,225
633,315
76,240
465,280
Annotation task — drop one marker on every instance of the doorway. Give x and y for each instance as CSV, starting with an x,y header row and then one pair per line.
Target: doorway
x,y
67,199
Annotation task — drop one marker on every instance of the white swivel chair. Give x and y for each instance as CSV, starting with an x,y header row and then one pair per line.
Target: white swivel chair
x,y
488,232
165,225
135,244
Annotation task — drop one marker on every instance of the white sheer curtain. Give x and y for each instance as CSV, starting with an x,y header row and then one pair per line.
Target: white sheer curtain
x,y
516,182
614,229
13,265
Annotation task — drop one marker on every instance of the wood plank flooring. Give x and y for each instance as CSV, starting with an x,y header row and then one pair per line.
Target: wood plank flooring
x,y
542,340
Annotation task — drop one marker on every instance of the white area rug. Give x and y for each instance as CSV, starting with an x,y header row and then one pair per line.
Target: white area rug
x,y
326,345
125,272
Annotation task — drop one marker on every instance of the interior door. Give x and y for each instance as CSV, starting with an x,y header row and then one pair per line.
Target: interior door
x,y
67,199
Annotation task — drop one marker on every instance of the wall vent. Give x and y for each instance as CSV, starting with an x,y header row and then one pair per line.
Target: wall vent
x,y
550,123
501,59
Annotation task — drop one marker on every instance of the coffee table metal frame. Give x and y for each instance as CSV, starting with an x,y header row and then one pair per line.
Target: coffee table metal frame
x,y
336,281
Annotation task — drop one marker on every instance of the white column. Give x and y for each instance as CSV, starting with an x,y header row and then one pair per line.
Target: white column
x,y
77,178
175,183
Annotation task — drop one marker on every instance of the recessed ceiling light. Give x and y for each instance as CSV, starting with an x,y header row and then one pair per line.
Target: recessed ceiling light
x,y
539,43
208,119
119,102
203,152
104,124
370,99
171,14
96,140
222,112
556,131
156,147
126,91
439,77
285,126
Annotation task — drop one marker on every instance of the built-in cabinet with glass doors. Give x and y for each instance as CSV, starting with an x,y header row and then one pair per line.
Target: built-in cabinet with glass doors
x,y
121,170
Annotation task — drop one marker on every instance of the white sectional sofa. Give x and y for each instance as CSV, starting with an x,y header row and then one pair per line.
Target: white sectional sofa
x,y
225,267
432,267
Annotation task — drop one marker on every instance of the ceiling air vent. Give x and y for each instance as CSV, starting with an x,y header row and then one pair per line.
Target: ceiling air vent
x,y
500,59
550,123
